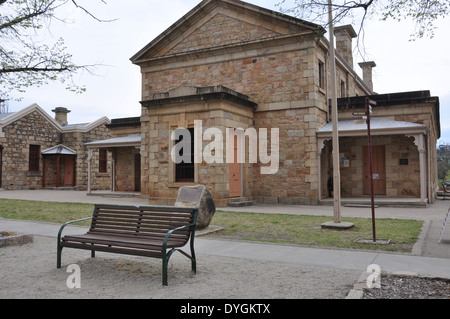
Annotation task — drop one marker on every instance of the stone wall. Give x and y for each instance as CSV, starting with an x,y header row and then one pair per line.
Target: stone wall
x,y
416,109
36,129
125,168
76,140
32,129
401,180
158,169
296,182
275,63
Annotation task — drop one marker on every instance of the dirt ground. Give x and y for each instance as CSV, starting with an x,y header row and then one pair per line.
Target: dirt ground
x,y
29,271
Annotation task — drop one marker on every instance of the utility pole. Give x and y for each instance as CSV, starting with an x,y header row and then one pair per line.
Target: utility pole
x,y
336,224
334,115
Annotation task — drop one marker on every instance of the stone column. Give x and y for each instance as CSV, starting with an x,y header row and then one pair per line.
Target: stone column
x,y
89,170
419,141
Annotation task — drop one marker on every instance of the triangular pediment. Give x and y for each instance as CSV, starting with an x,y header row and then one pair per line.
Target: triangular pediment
x,y
221,23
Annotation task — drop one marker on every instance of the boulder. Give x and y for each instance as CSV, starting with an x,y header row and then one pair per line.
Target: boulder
x,y
197,197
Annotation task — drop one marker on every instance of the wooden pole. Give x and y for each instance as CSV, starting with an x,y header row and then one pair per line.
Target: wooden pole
x,y
334,114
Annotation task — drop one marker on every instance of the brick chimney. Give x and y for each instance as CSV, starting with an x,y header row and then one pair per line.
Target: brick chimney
x,y
61,115
344,42
367,73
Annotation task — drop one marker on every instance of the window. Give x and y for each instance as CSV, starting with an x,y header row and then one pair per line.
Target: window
x,y
34,158
343,89
184,171
321,75
102,161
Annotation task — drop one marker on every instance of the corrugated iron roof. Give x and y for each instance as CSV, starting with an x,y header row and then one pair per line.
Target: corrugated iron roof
x,y
5,115
59,150
133,139
376,123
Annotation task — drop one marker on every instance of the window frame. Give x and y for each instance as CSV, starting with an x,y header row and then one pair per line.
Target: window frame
x,y
102,161
185,172
34,158
321,75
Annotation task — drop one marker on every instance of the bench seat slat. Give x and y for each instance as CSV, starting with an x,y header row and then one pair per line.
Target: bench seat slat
x,y
121,241
114,249
142,234
145,213
136,217
143,231
129,223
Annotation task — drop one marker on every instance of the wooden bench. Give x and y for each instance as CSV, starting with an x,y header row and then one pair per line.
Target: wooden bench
x,y
133,230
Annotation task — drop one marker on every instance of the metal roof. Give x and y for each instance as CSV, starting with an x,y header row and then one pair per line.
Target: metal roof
x,y
130,140
376,124
59,150
5,115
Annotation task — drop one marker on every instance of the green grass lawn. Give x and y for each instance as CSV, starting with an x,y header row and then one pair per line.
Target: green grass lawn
x,y
51,212
306,230
275,228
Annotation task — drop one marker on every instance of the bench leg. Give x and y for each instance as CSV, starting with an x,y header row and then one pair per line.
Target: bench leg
x,y
164,271
58,256
193,260
92,253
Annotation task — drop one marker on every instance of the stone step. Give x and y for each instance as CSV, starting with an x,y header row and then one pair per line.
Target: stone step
x,y
240,202
237,199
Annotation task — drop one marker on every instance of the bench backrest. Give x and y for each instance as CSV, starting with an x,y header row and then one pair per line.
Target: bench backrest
x,y
143,221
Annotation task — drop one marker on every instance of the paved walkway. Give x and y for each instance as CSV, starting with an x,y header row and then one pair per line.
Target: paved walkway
x,y
428,258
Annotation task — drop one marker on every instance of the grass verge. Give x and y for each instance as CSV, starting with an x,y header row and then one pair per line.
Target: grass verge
x,y
306,230
275,228
51,212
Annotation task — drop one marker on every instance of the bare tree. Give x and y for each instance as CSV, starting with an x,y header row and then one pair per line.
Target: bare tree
x,y
26,62
424,13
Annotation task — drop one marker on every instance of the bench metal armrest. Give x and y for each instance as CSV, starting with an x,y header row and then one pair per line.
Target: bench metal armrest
x,y
68,223
170,232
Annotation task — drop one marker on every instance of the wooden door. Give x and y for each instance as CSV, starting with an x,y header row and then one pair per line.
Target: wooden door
x,y
235,173
379,170
68,171
137,172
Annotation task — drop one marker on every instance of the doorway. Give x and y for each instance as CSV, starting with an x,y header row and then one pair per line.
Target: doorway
x,y
235,174
69,169
137,172
379,170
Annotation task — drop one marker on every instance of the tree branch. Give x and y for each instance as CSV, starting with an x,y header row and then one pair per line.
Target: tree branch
x,y
34,69
90,14
38,12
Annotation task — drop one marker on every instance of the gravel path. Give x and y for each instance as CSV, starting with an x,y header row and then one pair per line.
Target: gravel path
x,y
29,271
410,287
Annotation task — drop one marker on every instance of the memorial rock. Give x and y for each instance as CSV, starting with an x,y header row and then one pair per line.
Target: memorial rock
x,y
197,197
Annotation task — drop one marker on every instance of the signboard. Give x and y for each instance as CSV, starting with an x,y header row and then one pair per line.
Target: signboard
x,y
190,194
443,227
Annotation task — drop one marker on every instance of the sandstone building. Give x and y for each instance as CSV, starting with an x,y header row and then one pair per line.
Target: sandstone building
x,y
38,151
230,64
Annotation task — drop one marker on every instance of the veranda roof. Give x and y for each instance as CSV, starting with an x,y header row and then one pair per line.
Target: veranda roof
x,y
130,140
378,126
59,150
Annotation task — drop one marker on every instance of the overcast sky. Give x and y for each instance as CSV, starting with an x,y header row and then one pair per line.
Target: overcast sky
x,y
114,90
